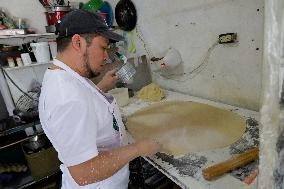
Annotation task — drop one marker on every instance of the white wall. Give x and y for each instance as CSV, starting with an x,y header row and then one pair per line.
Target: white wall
x,y
31,10
233,72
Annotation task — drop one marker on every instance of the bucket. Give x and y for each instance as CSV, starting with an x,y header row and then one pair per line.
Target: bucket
x,y
55,13
121,96
43,163
41,52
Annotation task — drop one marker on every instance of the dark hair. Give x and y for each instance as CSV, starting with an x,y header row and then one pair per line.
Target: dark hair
x,y
62,43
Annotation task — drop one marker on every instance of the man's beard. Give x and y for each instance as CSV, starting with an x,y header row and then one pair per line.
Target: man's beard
x,y
90,73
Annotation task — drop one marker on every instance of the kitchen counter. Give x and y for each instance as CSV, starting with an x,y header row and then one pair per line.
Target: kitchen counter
x,y
186,170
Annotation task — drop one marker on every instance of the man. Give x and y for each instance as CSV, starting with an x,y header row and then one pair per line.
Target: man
x,y
81,120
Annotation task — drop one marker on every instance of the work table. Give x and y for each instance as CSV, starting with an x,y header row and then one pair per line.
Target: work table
x,y
186,170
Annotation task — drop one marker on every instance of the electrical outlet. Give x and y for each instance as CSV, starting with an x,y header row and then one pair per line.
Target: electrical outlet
x,y
227,38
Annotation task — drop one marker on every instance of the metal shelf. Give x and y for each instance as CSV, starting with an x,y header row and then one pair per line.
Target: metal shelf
x,y
25,180
34,64
16,135
40,180
13,127
22,39
19,140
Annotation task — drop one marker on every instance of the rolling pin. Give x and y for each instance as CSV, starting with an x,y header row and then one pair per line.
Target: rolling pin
x,y
239,160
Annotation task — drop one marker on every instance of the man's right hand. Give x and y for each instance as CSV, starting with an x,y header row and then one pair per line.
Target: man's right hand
x,y
107,163
147,147
108,81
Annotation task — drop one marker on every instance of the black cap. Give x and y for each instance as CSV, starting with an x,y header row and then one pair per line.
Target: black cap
x,y
81,21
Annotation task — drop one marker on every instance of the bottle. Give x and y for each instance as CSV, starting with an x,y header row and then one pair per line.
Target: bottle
x,y
123,45
121,57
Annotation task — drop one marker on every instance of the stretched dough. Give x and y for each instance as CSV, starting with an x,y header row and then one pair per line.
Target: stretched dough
x,y
151,92
184,127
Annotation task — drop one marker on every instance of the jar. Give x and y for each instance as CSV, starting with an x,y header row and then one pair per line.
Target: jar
x,y
11,62
19,61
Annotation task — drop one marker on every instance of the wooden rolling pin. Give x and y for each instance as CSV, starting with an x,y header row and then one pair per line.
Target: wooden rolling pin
x,y
237,161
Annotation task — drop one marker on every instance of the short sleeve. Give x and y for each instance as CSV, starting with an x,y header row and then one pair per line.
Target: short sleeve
x,y
72,129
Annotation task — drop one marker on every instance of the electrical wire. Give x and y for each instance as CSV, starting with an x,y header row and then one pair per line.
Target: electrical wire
x,y
13,82
192,73
198,69
141,38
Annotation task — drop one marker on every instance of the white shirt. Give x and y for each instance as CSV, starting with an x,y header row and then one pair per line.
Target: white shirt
x,y
78,120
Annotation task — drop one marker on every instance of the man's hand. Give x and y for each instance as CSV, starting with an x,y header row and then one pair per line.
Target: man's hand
x,y
108,81
147,147
107,163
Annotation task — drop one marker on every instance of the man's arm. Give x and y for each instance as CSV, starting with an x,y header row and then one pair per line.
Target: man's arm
x,y
109,162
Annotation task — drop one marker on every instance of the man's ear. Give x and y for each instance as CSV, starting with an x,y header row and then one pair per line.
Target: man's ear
x,y
76,42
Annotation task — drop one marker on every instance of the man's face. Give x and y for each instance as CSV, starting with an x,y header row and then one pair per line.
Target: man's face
x,y
95,56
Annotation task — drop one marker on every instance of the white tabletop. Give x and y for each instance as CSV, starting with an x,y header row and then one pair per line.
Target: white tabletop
x,y
186,170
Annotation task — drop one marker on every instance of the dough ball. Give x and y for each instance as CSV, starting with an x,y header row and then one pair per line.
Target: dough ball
x,y
151,92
